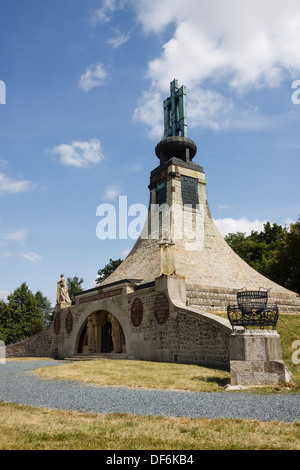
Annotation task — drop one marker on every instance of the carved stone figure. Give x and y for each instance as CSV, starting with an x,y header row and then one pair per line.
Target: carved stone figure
x,y
62,297
116,334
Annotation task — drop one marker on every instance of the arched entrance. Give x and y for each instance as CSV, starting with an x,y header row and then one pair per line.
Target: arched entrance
x,y
102,333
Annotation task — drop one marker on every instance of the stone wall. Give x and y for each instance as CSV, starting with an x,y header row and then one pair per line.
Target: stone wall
x,y
216,299
178,334
40,345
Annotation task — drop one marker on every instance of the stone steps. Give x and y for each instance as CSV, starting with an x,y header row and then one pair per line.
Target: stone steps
x,y
98,357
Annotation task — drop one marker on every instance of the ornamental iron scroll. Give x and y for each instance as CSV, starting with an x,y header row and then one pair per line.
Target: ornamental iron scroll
x,y
252,310
161,308
137,312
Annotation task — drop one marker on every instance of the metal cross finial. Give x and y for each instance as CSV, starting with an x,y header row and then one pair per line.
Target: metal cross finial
x,y
175,111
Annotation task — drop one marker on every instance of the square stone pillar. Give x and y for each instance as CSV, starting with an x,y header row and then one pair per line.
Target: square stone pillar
x,y
256,358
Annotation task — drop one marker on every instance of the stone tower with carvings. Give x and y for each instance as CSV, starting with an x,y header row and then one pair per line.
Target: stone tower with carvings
x,y
180,236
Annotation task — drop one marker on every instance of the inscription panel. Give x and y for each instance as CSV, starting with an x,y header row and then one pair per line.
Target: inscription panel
x,y
103,295
161,192
189,191
161,308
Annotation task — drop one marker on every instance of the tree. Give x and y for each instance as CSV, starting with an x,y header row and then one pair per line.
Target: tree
x,y
74,286
273,252
46,308
286,271
3,316
21,316
107,270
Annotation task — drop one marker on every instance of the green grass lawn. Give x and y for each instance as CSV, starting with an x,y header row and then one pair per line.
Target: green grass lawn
x,y
26,428
144,374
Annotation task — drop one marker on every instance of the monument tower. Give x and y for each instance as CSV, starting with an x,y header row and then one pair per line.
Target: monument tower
x,y
180,236
159,304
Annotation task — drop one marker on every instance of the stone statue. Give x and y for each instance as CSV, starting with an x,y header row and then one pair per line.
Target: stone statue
x,y
63,298
116,334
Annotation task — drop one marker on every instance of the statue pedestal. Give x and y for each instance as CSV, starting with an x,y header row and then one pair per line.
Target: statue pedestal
x,y
256,358
62,305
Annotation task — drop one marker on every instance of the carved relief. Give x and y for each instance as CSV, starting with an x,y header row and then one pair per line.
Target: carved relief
x,y
137,312
161,308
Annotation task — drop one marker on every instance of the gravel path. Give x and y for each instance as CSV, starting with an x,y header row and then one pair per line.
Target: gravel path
x,y
18,384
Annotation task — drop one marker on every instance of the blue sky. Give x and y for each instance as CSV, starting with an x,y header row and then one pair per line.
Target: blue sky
x,y
85,84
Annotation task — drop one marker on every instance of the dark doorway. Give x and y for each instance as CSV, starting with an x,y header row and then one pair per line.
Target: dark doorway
x,y
81,340
106,338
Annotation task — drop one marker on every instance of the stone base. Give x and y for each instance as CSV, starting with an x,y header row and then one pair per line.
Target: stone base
x,y
256,358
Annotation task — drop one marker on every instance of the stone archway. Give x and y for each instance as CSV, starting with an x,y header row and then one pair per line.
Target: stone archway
x,y
102,333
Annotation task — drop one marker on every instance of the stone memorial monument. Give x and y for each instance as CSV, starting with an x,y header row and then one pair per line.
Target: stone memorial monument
x,y
160,304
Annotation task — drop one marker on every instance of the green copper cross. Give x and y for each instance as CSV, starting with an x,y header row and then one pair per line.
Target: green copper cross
x,y
175,111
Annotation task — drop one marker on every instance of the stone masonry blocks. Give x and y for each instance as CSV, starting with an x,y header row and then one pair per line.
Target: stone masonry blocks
x,y
256,358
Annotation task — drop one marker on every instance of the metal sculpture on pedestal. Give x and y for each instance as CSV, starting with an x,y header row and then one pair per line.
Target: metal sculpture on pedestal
x,y
253,310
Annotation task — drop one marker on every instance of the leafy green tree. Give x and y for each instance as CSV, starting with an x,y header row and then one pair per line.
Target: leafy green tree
x,y
3,316
286,270
21,317
45,305
274,252
107,270
74,286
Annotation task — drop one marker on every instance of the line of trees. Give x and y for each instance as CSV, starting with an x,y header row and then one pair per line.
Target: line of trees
x,y
273,252
25,314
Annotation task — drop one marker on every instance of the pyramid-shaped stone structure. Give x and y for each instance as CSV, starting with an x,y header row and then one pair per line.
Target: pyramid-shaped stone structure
x,y
180,238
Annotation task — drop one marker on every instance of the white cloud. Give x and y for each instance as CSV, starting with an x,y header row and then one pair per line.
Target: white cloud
x,y
17,236
118,39
104,14
95,75
5,254
80,154
4,294
229,225
9,185
246,45
150,112
31,256
112,192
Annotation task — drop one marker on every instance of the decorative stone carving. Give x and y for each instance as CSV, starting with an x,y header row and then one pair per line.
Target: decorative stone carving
x,y
161,308
62,297
56,324
69,322
91,335
137,312
116,334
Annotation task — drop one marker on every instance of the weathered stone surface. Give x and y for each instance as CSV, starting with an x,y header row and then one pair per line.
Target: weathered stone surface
x,y
256,358
211,269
